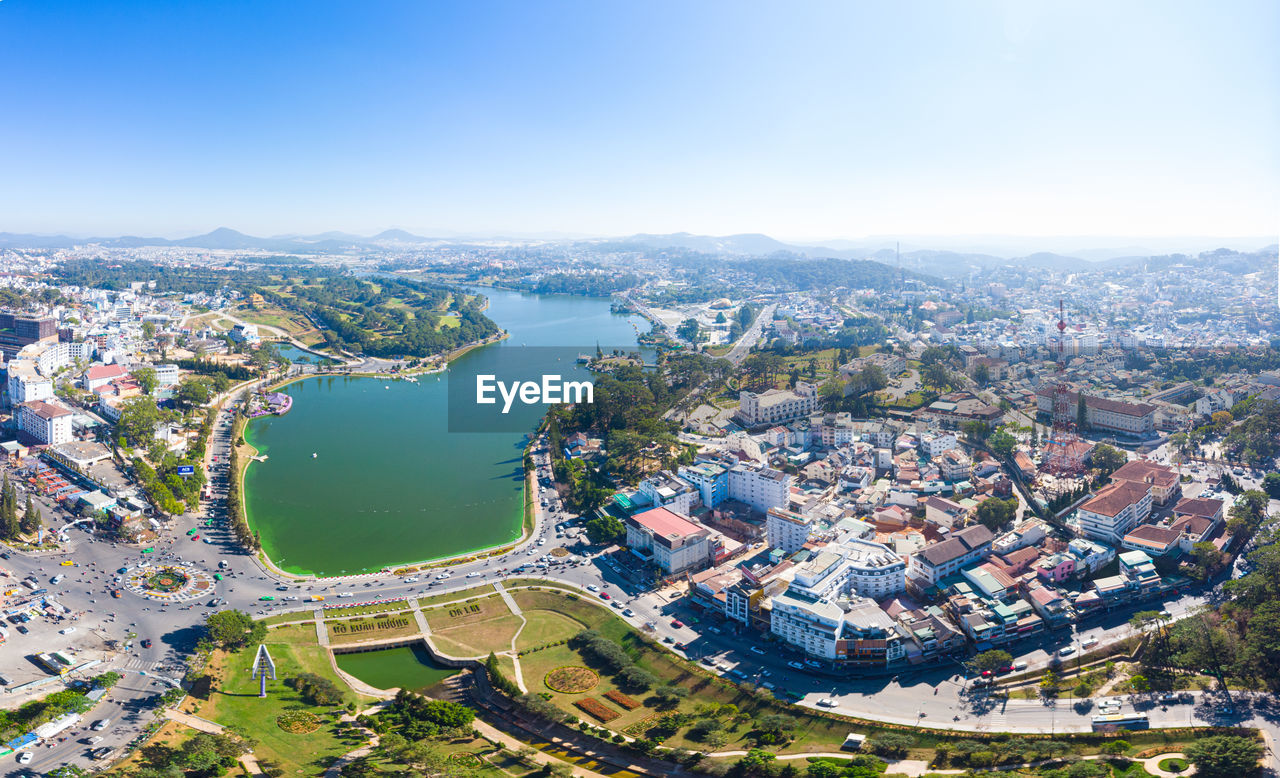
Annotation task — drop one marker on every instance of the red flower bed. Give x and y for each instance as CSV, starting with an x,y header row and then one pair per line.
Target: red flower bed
x,y
622,700
593,707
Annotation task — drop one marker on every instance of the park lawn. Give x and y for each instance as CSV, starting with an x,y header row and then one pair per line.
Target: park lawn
x,y
535,666
289,618
815,732
361,629
478,638
462,594
365,610
544,626
235,701
497,762
538,583
483,608
449,321
585,612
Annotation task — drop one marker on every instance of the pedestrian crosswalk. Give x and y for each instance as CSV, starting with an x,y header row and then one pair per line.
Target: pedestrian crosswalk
x,y
138,663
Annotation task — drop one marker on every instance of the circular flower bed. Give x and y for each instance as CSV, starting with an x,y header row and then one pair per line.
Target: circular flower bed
x,y
572,679
1174,765
465,759
298,722
167,579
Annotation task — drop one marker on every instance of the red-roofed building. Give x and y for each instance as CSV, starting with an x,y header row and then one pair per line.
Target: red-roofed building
x,y
101,375
675,543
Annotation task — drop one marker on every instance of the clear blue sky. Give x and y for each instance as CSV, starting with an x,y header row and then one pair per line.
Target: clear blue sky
x,y
801,120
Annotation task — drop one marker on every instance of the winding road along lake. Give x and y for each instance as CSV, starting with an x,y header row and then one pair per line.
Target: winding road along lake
x,y
389,483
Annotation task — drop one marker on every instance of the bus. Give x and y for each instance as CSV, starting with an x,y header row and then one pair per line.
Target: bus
x,y
1109,722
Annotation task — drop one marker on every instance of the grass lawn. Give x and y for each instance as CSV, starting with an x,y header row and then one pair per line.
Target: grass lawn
x,y
1174,765
461,614
365,610
512,583
496,762
576,607
543,627
427,602
478,638
235,701
289,618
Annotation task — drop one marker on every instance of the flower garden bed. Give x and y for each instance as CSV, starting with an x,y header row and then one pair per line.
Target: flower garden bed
x,y
466,759
298,722
572,679
593,707
622,700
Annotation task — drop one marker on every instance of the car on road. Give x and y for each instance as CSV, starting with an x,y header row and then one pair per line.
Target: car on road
x,y
443,576
122,571
25,757
605,596
474,574
1066,651
826,703
593,588
756,650
794,665
146,642
677,623
23,629
100,753
268,598
628,612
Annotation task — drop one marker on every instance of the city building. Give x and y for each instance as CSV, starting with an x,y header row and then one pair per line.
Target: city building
x,y
777,406
786,530
672,542
942,558
47,423
1115,510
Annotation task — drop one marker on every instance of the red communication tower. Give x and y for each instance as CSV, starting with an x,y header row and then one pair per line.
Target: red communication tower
x,y
1063,449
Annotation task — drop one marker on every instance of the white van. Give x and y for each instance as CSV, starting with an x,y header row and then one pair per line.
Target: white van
x,y
1089,643
101,724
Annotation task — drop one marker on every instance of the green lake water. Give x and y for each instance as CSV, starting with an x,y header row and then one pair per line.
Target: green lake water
x,y
389,484
405,667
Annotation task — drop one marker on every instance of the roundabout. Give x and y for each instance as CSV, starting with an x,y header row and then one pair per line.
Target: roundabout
x,y
174,583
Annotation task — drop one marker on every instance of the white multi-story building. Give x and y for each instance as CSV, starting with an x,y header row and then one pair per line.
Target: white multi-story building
x,y
786,530
934,443
777,406
1114,511
855,632
47,423
166,375
940,559
25,386
852,566
665,490
760,487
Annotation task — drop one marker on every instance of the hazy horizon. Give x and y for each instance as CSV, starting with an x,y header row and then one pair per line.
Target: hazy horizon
x,y
501,118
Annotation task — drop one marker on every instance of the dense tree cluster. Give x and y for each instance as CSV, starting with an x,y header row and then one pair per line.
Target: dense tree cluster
x,y
316,690
232,630
589,284
204,755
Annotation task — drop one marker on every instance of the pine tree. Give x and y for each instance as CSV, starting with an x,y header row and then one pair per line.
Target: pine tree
x,y
28,516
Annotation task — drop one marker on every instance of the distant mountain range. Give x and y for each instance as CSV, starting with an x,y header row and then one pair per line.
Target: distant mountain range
x,y
226,238
921,254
